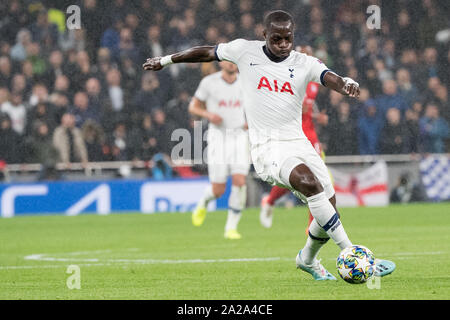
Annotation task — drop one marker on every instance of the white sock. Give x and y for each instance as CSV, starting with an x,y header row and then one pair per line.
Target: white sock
x,y
208,195
328,219
316,240
236,203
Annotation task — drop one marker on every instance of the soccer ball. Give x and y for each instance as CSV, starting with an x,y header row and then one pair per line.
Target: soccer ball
x,y
356,264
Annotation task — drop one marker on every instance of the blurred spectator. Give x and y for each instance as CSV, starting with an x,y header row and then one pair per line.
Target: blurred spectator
x,y
163,131
4,95
14,18
405,34
43,28
69,142
36,59
39,94
146,134
5,71
122,144
40,149
16,111
61,105
342,130
177,109
406,89
115,92
55,68
18,51
393,137
111,38
19,85
412,130
127,46
148,98
369,127
10,142
434,130
153,46
390,99
406,191
94,140
430,57
82,110
42,113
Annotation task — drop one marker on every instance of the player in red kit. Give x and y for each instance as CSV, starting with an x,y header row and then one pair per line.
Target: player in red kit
x,y
308,117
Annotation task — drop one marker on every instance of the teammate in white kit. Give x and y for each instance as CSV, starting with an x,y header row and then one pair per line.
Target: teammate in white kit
x,y
219,100
274,80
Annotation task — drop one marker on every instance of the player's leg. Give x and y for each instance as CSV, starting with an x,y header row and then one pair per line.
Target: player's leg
x,y
303,180
236,203
238,159
267,203
212,192
326,224
218,177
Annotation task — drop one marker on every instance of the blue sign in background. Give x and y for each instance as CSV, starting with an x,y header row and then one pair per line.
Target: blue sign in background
x,y
122,196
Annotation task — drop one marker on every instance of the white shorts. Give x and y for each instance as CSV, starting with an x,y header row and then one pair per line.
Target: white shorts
x,y
274,158
228,155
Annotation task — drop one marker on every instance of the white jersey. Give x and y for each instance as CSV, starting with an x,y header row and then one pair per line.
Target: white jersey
x,y
273,92
17,114
223,99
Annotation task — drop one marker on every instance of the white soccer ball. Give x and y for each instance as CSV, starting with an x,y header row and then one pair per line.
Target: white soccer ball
x,y
356,264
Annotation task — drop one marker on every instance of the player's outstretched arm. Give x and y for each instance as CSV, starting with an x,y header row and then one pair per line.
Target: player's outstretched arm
x,y
345,86
192,55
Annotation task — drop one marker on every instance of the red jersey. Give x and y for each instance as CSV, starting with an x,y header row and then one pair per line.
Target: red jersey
x,y
307,116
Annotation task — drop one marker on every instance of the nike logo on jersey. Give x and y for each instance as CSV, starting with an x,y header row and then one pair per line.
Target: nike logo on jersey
x,y
253,64
264,83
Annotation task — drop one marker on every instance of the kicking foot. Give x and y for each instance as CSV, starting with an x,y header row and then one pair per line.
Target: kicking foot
x,y
383,267
317,270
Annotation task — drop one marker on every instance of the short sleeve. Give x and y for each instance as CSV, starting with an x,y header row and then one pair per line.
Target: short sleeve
x,y
202,92
231,51
317,70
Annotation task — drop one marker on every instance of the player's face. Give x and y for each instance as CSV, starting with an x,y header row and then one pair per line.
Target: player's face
x,y
280,39
228,67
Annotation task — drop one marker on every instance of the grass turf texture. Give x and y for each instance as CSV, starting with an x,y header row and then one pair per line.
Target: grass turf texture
x,y
114,254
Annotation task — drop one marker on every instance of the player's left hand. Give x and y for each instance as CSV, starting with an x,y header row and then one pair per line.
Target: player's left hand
x,y
351,88
153,64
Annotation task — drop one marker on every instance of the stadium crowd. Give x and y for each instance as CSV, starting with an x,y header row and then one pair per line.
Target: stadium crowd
x,y
81,95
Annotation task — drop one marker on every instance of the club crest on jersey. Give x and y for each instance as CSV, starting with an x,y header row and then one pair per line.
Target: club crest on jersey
x,y
264,83
292,73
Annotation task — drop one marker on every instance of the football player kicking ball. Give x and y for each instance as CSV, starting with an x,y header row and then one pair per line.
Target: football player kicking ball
x,y
274,80
308,115
219,100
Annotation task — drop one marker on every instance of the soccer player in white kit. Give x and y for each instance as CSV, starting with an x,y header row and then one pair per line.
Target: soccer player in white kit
x,y
274,80
219,100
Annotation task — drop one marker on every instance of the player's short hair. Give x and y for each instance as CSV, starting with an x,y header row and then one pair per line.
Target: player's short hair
x,y
277,16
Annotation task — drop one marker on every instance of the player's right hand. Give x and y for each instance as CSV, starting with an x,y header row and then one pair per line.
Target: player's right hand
x,y
153,64
215,119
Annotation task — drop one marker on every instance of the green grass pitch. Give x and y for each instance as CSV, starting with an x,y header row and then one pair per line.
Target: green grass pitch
x,y
162,256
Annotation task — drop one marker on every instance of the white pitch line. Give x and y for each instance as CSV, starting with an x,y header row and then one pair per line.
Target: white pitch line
x,y
55,266
45,257
92,262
